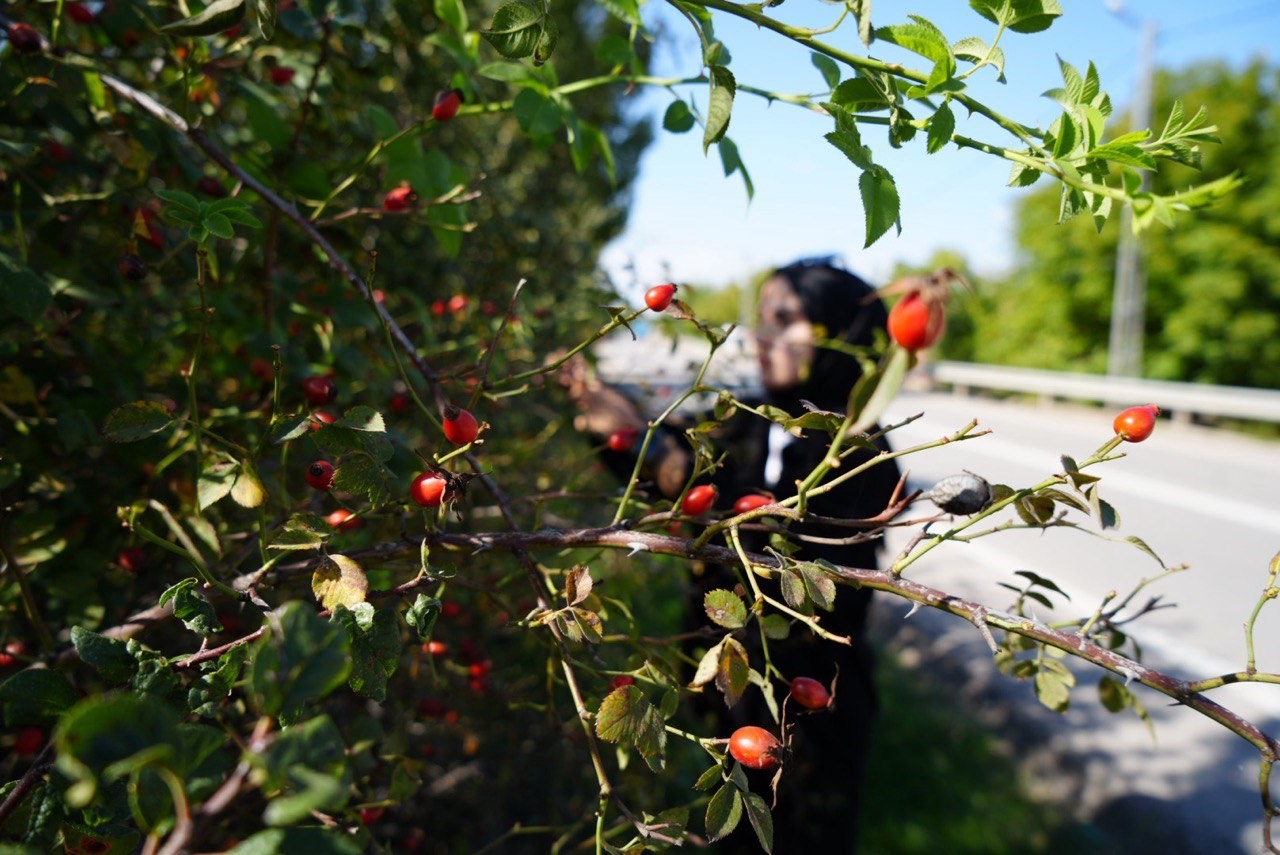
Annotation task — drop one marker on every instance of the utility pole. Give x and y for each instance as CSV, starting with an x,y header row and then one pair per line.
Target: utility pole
x,y
1129,297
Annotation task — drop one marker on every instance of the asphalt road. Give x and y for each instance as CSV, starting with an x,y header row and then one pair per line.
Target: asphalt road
x,y
1195,495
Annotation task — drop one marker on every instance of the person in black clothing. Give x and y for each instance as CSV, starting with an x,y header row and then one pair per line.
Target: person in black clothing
x,y
809,316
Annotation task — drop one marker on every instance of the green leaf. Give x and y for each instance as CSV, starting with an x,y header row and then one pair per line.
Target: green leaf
x,y
290,427
300,658
942,125
627,11
707,666
720,105
678,118
732,162
26,294
820,587
627,716
725,608
709,778
880,203
264,18
846,137
192,607
339,581
216,680
363,475
110,656
794,591
1053,684
537,114
135,421
215,483
422,616
761,820
453,13
1021,16
105,736
1043,582
35,695
247,491
775,627
508,72
219,226
860,94
734,671
180,199
1127,154
548,38
302,531
515,31
212,19
923,38
724,812
1113,694
375,647
827,67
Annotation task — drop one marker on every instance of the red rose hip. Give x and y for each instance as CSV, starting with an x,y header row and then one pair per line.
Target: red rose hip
x,y
699,500
750,502
24,37
810,693
623,440
460,427
754,747
320,475
1136,423
916,323
429,490
319,390
399,198
659,297
446,104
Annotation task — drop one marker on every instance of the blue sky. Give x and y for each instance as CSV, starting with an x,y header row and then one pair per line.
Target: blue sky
x,y
689,223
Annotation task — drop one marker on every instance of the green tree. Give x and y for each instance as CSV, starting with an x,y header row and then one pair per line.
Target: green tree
x,y
1213,291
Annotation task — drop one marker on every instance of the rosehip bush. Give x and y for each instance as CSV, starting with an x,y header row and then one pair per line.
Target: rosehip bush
x,y
204,653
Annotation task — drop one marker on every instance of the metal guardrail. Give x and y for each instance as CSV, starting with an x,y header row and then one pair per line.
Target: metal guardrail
x,y
1181,399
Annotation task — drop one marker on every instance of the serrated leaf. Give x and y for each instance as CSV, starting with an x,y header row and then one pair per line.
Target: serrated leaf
x,y
725,608
724,812
942,124
880,204
719,106
922,37
709,778
626,715
1035,510
548,38
339,581
219,226
192,607
733,672
35,695
110,656
592,626
761,820
1124,153
678,118
1142,544
374,635
515,30
361,474
1043,582
179,198
820,587
794,591
1113,694
135,421
212,19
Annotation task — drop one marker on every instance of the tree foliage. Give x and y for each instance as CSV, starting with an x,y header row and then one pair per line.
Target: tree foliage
x,y
1213,292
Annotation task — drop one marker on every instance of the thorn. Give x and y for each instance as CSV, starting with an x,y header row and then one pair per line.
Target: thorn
x,y
915,607
637,546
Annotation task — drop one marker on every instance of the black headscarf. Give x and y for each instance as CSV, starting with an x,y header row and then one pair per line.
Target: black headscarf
x,y
838,301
